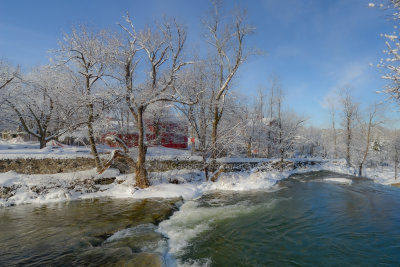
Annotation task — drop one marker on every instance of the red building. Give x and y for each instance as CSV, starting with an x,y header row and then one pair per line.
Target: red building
x,y
170,134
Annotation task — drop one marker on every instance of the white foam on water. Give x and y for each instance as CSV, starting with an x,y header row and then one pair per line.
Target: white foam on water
x,y
192,220
196,263
339,180
186,191
247,181
161,247
148,227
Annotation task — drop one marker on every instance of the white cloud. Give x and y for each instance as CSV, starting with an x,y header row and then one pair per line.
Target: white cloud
x,y
331,98
353,75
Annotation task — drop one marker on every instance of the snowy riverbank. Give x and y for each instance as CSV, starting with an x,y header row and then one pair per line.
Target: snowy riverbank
x,y
43,188
17,188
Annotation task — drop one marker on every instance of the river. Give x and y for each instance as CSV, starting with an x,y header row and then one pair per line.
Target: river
x,y
314,219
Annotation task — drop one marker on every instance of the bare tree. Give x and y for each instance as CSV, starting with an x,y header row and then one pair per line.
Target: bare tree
x,y
395,152
44,104
287,128
374,118
332,102
161,54
332,112
311,142
196,80
274,102
232,130
255,126
226,40
390,64
87,55
249,125
349,114
7,74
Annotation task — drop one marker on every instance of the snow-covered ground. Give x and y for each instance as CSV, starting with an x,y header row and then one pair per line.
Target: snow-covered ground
x,y
21,188
380,175
165,153
15,148
45,188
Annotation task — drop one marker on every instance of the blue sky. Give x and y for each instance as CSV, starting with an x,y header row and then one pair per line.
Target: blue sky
x,y
314,46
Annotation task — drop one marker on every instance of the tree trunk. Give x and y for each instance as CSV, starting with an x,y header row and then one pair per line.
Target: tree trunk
x,y
205,166
42,141
214,135
202,142
366,148
249,148
90,120
193,146
92,141
142,180
396,163
335,144
334,134
282,150
348,140
269,146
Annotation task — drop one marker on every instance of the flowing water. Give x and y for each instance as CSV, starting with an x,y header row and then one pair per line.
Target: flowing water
x,y
84,233
311,220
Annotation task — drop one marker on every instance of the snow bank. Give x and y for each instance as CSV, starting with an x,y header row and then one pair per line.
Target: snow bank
x,y
23,189
8,179
44,188
380,175
18,150
15,149
18,188
165,153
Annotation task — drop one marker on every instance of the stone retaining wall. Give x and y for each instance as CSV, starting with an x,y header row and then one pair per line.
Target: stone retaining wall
x,y
54,165
47,165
